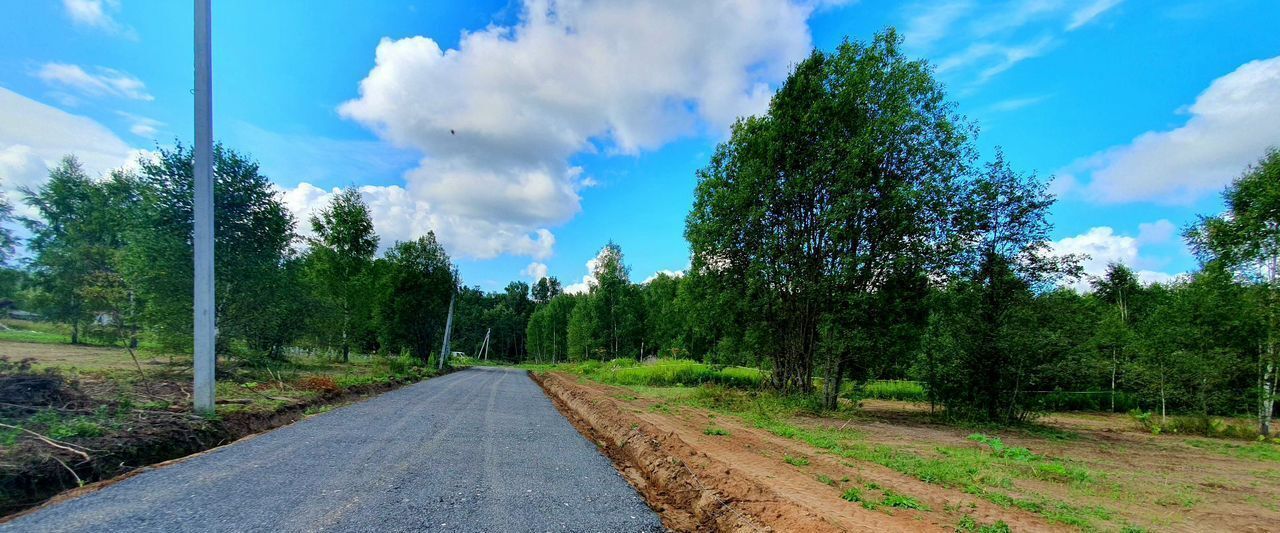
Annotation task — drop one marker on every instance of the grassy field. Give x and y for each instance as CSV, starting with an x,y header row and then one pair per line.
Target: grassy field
x,y
1087,471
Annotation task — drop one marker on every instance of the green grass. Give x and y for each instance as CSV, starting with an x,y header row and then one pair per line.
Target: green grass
x,y
988,470
852,494
910,391
1259,451
795,461
715,431
969,525
38,337
900,501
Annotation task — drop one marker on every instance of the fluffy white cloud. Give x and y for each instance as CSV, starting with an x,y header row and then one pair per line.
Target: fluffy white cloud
x,y
498,119
1230,125
535,271
35,136
99,15
102,82
399,216
1102,246
589,279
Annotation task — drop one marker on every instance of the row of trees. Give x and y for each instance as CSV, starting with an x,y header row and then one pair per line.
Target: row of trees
x,y
851,232
111,257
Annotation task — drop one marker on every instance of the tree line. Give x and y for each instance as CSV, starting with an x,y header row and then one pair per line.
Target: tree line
x,y
112,258
852,232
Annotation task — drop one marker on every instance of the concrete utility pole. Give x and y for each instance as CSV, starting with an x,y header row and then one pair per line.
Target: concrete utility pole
x,y
484,348
448,328
203,215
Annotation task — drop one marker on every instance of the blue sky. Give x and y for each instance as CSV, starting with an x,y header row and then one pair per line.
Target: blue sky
x,y
528,134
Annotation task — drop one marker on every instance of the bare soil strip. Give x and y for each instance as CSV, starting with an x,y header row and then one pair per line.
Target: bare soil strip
x,y
701,488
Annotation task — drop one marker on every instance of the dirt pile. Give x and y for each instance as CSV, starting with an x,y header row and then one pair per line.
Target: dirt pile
x,y
691,490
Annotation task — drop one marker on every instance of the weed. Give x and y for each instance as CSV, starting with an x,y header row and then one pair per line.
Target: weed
x,y
969,525
796,461
852,495
826,480
715,431
899,501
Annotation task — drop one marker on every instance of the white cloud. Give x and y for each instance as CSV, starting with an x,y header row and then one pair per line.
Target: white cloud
x,y
972,43
99,15
535,271
588,280
671,273
35,136
1230,125
142,126
399,216
103,82
498,119
1088,12
1103,246
994,58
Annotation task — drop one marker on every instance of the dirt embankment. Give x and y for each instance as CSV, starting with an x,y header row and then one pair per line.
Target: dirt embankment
x,y
696,491
33,471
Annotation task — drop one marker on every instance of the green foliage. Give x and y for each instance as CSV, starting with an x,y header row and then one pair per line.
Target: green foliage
x,y
800,238
1000,450
900,501
795,461
909,391
339,264
716,432
669,372
969,525
256,274
415,283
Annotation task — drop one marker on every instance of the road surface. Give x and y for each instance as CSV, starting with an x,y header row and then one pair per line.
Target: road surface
x,y
477,450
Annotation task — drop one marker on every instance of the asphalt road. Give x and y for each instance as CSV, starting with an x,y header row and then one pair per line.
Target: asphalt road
x,y
477,450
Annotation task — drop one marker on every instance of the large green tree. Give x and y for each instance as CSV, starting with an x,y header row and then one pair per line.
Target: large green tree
x,y
75,243
413,299
342,252
256,281
1246,240
806,211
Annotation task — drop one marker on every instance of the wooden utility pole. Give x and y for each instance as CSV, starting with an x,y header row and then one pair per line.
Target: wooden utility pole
x,y
202,214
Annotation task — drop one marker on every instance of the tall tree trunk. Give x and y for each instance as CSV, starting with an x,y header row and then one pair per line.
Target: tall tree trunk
x,y
1113,379
831,381
75,332
1267,386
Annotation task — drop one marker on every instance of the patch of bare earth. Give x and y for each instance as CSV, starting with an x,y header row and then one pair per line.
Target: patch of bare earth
x,y
1161,482
742,482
